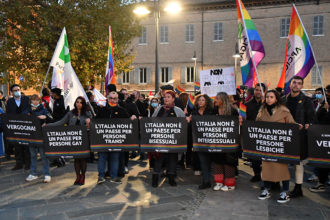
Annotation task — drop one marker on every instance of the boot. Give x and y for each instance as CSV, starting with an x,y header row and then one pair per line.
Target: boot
x,y
154,180
171,179
296,192
82,180
77,180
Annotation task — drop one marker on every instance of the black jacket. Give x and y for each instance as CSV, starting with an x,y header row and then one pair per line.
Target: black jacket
x,y
58,109
305,113
112,112
12,108
252,109
142,108
130,107
323,116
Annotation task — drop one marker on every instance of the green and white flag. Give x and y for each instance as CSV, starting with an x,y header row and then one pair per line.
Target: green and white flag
x,y
64,76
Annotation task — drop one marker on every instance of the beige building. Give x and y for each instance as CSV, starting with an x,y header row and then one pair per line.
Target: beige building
x,y
208,29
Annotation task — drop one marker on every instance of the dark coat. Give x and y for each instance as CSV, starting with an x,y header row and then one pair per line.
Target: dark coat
x,y
226,158
40,110
112,112
142,108
130,107
58,109
12,108
322,115
252,109
305,113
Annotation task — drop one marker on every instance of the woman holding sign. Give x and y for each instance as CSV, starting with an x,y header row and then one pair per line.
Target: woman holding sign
x,y
224,163
273,111
78,116
203,106
166,110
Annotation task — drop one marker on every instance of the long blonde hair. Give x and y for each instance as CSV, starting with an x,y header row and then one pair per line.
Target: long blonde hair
x,y
226,105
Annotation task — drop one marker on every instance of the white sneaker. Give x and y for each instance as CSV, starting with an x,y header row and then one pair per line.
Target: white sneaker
x,y
313,178
126,170
31,178
227,188
217,186
264,195
197,173
47,179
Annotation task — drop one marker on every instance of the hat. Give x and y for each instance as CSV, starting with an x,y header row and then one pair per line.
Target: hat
x,y
57,91
112,88
166,87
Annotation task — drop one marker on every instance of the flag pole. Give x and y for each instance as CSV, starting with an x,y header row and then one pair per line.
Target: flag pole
x,y
250,49
43,84
317,66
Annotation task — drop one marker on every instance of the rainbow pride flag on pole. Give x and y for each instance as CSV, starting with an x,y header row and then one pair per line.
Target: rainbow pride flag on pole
x,y
249,43
299,55
179,90
190,102
110,77
197,86
242,110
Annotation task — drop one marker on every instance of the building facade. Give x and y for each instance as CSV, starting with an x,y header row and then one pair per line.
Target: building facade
x,y
207,30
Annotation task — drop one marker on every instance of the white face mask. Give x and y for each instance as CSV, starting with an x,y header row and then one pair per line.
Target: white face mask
x,y
17,94
34,105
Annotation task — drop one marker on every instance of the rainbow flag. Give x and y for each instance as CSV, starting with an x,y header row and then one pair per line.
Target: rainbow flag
x,y
110,77
197,86
242,110
179,90
248,37
190,102
299,55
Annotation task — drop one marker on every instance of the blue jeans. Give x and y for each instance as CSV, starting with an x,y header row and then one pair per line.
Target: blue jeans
x,y
114,163
205,161
34,156
285,185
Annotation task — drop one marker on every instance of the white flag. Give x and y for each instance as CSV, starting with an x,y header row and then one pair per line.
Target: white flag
x,y
100,99
63,74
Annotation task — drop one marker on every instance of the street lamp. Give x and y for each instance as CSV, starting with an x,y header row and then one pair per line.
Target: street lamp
x,y
172,8
194,58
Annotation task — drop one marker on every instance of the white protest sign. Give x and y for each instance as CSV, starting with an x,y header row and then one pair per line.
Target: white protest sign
x,y
218,80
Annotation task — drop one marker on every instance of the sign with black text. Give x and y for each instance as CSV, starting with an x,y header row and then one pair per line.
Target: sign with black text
x,y
115,134
319,145
22,129
215,133
271,141
67,141
164,135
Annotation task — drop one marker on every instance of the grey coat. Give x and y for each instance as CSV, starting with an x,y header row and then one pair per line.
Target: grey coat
x,y
71,119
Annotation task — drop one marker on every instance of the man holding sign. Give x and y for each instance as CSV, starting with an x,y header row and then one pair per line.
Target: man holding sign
x,y
111,110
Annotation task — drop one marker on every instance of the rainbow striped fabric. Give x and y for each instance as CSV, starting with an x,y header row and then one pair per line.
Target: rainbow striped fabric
x,y
248,37
179,90
197,86
190,102
299,56
110,77
242,110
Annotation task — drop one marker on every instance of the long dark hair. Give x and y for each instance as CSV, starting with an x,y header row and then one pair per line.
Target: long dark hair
x,y
84,107
277,96
208,102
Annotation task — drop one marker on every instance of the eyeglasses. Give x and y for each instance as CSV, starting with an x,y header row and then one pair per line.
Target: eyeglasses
x,y
111,98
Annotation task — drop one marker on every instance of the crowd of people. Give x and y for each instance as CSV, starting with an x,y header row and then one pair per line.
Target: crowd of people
x,y
219,170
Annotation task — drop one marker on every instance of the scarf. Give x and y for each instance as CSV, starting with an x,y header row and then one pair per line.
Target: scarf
x,y
270,108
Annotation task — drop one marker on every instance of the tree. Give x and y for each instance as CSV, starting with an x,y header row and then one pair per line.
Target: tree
x,y
30,30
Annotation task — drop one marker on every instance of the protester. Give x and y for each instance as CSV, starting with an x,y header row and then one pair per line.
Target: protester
x,y
58,113
78,116
302,110
111,110
323,117
252,109
2,101
224,163
203,106
154,104
273,111
17,105
166,110
45,99
37,109
177,101
141,106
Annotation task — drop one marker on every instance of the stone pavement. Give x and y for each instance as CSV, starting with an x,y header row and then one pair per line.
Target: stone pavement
x,y
136,199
